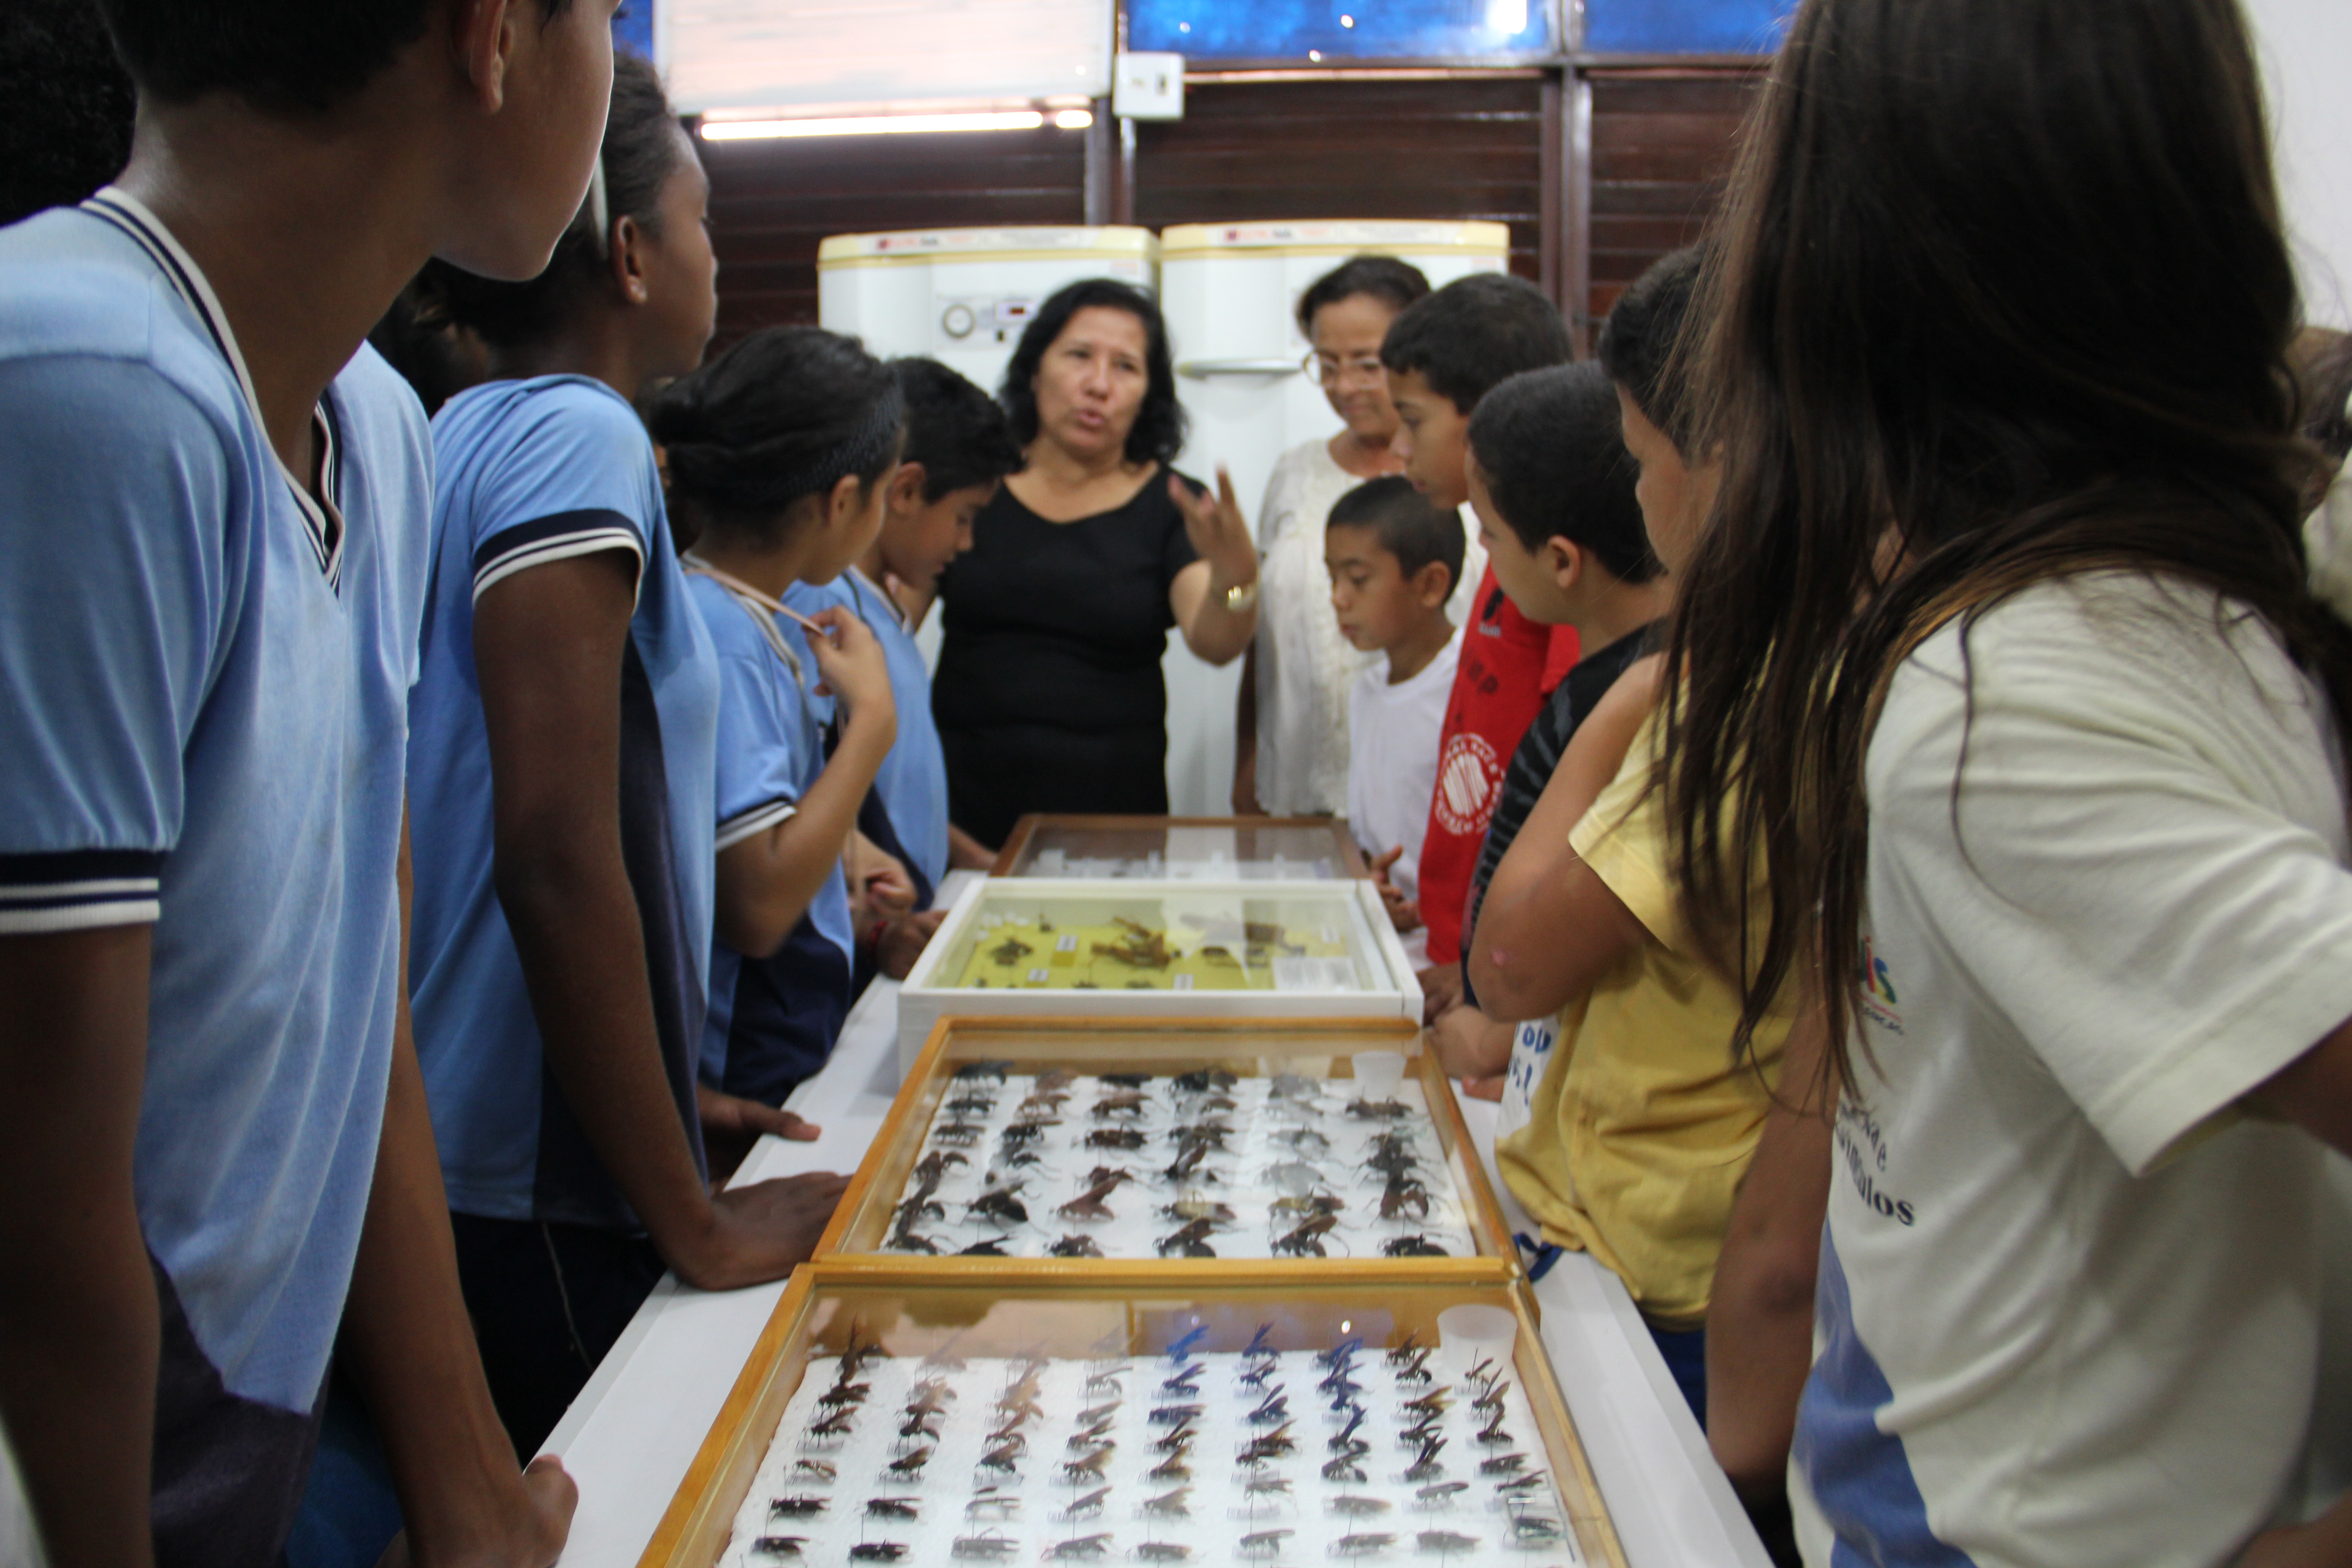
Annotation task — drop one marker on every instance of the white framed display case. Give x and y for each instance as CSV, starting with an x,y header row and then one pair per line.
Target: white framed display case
x,y
1047,948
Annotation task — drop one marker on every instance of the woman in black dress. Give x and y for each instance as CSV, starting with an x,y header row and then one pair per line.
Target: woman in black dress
x,y
1048,695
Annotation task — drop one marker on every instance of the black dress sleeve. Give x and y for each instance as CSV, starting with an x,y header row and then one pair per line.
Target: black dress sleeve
x,y
1176,551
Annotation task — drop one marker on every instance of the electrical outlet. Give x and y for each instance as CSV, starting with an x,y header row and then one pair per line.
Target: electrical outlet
x,y
1149,87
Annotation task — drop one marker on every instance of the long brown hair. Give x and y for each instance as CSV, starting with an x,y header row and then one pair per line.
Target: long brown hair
x,y
2000,296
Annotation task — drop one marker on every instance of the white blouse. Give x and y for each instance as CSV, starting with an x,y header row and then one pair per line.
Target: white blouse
x,y
1305,667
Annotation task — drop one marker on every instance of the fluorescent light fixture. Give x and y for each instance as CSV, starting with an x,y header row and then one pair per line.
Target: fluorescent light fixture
x,y
1507,17
888,125
1074,119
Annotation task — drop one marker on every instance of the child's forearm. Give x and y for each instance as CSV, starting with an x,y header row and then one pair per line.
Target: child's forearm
x,y
767,882
966,853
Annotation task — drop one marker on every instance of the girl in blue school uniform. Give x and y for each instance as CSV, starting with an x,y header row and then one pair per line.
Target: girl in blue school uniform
x,y
565,729
779,455
959,450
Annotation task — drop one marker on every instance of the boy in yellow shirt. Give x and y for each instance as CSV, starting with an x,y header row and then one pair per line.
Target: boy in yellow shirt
x,y
1642,1122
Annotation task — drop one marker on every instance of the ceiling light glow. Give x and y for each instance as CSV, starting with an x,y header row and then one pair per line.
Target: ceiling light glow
x,y
886,125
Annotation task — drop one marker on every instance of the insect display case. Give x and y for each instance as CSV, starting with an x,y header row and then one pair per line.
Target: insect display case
x,y
1232,1145
1220,848
1161,951
1139,1418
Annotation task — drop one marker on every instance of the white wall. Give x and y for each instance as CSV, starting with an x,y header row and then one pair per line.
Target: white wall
x,y
2306,54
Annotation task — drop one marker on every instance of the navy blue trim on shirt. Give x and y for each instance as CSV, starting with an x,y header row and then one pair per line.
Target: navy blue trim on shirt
x,y
553,538
79,890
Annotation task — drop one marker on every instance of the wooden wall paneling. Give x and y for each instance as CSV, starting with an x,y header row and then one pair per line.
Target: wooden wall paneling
x,y
1456,147
1552,189
1663,143
772,202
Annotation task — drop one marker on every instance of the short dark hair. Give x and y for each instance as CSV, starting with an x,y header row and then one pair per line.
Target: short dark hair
x,y
65,117
643,145
1159,431
953,428
785,413
1385,278
1553,455
1407,523
1641,343
1474,333
283,57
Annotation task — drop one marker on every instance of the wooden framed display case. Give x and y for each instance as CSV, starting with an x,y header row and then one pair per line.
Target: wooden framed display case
x,y
1298,1181
1274,848
1122,1419
1038,947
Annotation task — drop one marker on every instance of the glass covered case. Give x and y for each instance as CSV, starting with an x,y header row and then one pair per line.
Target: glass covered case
x,y
1274,848
1140,1418
1043,948
1333,1142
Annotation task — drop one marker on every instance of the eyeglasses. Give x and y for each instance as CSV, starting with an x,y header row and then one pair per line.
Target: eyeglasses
x,y
1330,370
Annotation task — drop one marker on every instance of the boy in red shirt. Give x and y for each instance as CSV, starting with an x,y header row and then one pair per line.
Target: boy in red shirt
x,y
1442,355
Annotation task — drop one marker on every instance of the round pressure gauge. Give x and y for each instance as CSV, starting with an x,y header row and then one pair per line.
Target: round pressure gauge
x,y
959,320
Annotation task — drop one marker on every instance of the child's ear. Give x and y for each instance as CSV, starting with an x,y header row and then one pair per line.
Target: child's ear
x,y
629,239
907,487
1566,560
847,499
1433,584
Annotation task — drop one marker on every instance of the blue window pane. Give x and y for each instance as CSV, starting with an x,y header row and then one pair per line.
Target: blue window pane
x,y
1340,30
1685,26
633,27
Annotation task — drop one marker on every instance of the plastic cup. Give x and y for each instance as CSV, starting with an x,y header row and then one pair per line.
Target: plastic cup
x,y
1378,1073
1469,1334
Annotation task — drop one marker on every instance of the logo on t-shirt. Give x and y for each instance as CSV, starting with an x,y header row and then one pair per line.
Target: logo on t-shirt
x,y
1468,773
1862,1144
1878,990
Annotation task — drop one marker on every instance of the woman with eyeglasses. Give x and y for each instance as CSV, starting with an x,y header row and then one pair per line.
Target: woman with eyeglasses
x,y
1290,753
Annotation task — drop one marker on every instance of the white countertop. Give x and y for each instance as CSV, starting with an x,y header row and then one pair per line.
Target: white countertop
x,y
628,1438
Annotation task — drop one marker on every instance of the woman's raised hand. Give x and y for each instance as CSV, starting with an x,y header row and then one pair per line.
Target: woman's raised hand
x,y
1220,534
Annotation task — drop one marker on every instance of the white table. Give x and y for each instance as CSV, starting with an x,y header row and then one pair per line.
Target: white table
x,y
635,1428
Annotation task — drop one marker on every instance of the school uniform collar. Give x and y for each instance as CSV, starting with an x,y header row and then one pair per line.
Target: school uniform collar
x,y
322,516
889,605
763,607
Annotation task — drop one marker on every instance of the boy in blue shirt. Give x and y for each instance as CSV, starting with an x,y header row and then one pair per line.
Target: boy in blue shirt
x,y
213,1132
959,450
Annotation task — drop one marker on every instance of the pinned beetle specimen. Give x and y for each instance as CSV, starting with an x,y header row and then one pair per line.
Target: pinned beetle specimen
x,y
877,1552
1192,1241
1115,1138
1001,1204
1412,1246
1404,1196
1075,1247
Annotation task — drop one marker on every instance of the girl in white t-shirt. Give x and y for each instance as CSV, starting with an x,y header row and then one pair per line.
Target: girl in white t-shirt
x,y
1998,644
1291,747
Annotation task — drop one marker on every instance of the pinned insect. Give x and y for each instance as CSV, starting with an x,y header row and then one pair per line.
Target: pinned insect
x,y
933,1167
779,1545
919,1207
1187,1381
1001,1204
1205,1080
1404,1196
1126,1103
1394,1153
1503,1465
1364,1545
1191,1241
1115,1138
1352,1506
1345,1441
988,1548
1414,1368
904,1239
1304,1141
1162,1552
959,1134
1272,1446
989,1501
1443,1541
1100,1384
1535,1530
969,1105
816,1468
1004,1458
1175,1415
1377,1110
1264,1542
1027,1130
796,1507
1091,1467
1419,1431
1426,1467
1075,1247
877,1552
1088,1505
1303,1240
1521,1486
1142,947
1443,1492
837,1424
1267,1486
1172,1469
1187,1165
1412,1246
1010,951
911,1464
1344,1471
1089,1203
891,1507
1169,1504
845,1392
1185,1343
1492,1434
1124,1079
1078,1548
1178,1440
1341,1387
1274,1407
1435,1403
993,1072
983,1249
1342,1354
1295,1176
1291,1205
1198,1210
919,1423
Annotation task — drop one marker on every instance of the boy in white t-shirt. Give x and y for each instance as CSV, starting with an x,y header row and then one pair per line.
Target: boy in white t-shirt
x,y
1394,559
